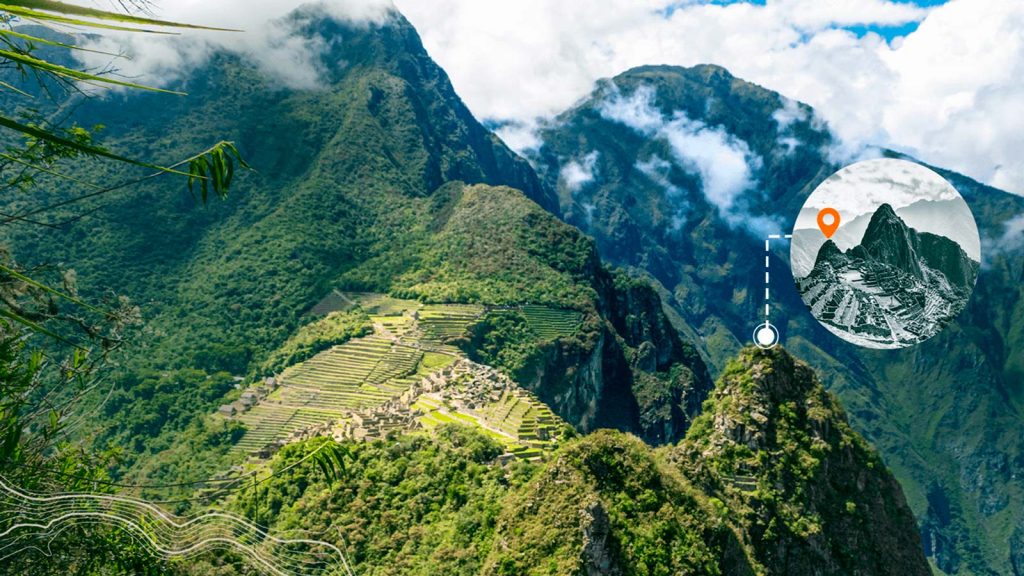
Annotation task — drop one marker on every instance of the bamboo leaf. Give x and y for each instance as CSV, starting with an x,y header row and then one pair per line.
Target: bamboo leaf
x,y
45,170
15,89
78,146
35,327
45,288
76,74
47,17
37,40
41,8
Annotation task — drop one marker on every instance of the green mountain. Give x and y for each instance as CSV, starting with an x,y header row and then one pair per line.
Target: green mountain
x,y
810,494
358,186
385,232
690,169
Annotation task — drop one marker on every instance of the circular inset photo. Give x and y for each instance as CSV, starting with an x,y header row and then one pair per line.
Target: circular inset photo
x,y
885,253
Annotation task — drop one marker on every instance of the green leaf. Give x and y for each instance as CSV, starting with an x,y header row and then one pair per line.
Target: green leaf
x,y
42,9
38,40
59,70
14,89
46,170
35,327
47,289
83,148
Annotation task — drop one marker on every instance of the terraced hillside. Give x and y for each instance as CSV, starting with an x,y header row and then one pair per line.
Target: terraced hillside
x,y
441,323
479,395
361,373
368,384
551,323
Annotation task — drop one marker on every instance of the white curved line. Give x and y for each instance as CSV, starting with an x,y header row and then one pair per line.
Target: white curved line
x,y
195,535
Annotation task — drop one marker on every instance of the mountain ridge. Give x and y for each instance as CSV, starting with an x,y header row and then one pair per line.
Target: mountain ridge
x,y
379,181
712,274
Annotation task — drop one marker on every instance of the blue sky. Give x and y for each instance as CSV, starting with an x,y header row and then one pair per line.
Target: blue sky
x,y
890,32
887,32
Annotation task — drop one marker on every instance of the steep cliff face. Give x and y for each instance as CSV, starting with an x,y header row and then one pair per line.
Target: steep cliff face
x,y
670,380
948,257
806,489
631,373
625,367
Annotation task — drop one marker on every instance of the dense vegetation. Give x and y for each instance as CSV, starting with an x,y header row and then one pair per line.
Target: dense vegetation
x,y
359,186
417,505
608,505
809,492
770,480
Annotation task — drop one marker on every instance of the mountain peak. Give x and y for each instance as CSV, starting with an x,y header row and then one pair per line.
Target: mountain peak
x,y
829,252
885,212
807,490
888,239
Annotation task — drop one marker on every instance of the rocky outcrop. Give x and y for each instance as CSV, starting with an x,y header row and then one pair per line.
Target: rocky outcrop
x,y
597,555
808,492
631,372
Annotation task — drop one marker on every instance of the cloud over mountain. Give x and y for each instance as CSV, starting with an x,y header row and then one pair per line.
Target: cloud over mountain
x,y
726,165
948,93
266,36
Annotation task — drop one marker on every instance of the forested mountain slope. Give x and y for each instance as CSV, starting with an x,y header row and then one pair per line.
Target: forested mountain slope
x,y
681,173
770,480
358,184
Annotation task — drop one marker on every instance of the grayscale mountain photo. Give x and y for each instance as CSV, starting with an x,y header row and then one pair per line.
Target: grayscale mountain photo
x,y
878,281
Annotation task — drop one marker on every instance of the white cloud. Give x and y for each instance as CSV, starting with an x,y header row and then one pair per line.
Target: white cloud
x,y
635,111
789,113
725,163
786,117
949,93
657,170
1013,235
520,136
576,174
266,38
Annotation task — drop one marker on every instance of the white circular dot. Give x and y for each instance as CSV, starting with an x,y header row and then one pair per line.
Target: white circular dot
x,y
765,336
828,219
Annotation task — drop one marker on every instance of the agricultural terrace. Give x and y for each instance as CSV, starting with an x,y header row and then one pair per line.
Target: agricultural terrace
x,y
521,422
410,342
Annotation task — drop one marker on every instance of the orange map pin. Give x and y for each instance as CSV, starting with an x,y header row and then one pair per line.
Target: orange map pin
x,y
828,221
